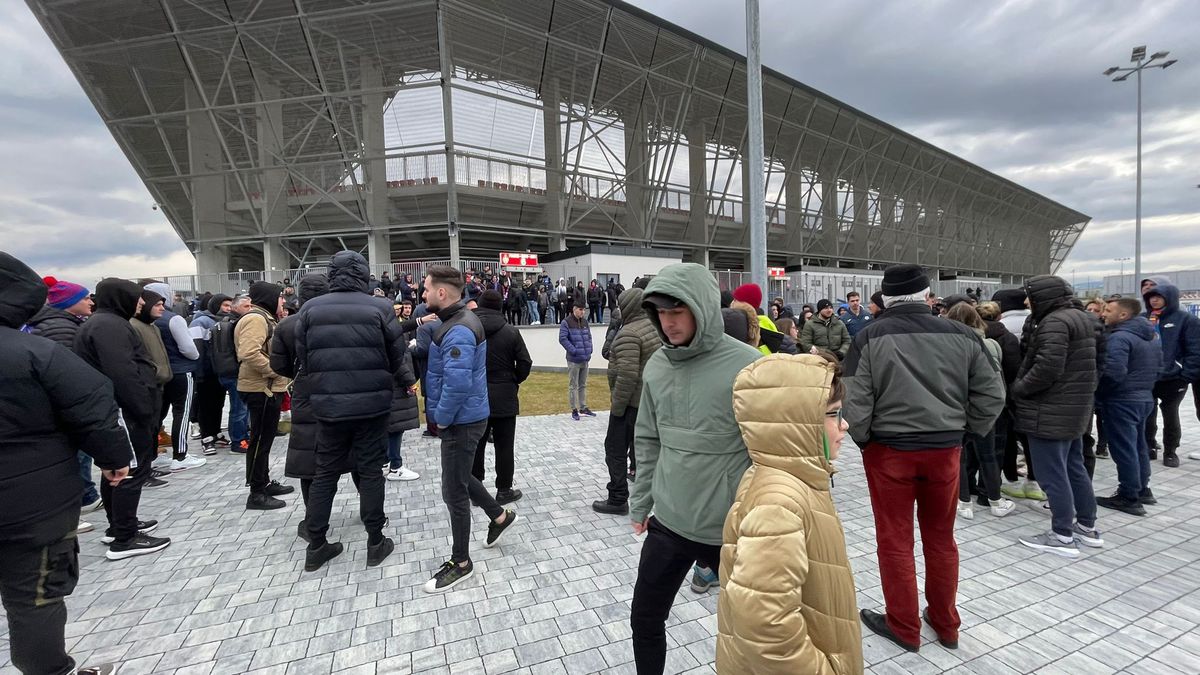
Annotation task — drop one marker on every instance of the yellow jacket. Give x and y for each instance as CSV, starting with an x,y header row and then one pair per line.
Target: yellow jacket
x,y
787,602
252,335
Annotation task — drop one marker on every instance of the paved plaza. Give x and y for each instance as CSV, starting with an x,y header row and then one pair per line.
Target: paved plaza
x,y
230,594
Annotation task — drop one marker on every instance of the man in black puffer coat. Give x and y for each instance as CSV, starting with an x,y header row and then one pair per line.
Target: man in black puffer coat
x,y
301,460
1053,398
508,365
51,403
349,346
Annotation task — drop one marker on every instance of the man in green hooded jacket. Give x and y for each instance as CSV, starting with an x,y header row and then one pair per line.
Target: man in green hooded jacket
x,y
690,453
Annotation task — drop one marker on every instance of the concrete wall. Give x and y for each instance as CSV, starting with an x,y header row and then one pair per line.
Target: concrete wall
x,y
542,342
629,267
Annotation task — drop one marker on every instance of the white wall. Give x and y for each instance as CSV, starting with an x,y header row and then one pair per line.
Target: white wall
x,y
542,342
630,267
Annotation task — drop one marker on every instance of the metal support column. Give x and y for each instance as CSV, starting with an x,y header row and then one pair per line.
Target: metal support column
x,y
447,68
755,203
637,208
552,141
793,195
208,189
697,227
273,180
378,242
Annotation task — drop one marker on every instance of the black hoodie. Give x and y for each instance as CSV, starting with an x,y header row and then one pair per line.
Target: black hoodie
x,y
112,346
349,345
265,295
51,405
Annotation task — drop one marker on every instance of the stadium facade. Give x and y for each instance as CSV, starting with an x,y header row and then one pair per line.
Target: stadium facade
x,y
273,133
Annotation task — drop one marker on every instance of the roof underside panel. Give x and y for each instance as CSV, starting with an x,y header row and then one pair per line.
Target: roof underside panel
x,y
290,84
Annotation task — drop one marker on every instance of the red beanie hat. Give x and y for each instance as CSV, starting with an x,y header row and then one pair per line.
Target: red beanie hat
x,y
750,294
63,294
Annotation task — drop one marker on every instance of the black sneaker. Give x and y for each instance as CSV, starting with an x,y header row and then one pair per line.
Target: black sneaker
x,y
143,526
208,447
608,508
377,553
302,531
154,482
262,502
315,558
449,575
1102,451
508,496
588,412
877,622
1170,459
494,530
1154,452
159,473
1147,497
1119,503
948,644
275,488
222,441
141,544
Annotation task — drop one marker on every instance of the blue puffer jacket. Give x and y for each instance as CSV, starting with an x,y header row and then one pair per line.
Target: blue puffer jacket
x,y
576,337
1132,361
456,390
1179,332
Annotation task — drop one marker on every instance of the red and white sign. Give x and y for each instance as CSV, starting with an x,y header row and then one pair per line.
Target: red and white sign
x,y
776,272
519,262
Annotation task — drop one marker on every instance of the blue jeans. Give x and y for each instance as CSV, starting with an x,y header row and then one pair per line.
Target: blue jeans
x,y
239,414
89,486
1125,430
395,460
1064,479
533,311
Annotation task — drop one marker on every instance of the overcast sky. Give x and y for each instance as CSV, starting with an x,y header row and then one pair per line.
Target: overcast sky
x,y
1014,87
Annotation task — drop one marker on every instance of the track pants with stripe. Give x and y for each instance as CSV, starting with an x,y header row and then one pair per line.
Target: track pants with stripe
x,y
177,397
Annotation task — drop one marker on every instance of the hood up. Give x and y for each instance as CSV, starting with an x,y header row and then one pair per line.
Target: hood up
x,y
214,303
694,286
348,273
1168,292
162,289
1010,299
779,402
630,304
151,298
312,286
1048,293
20,296
118,296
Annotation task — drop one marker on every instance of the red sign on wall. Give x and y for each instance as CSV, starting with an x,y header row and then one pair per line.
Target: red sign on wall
x,y
776,272
518,259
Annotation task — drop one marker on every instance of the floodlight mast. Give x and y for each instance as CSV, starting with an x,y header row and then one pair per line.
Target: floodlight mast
x,y
1138,56
754,195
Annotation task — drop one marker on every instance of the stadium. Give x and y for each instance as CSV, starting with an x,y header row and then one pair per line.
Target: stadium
x,y
273,133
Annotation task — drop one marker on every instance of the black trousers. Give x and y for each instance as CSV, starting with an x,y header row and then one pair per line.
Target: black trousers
x,y
177,397
121,501
461,490
360,445
37,571
264,421
618,449
666,559
1014,442
1168,394
209,403
504,431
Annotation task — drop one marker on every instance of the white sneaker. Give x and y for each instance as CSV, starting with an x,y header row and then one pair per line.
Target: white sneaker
x,y
163,462
965,511
1194,455
195,430
84,527
1002,507
88,508
188,462
403,473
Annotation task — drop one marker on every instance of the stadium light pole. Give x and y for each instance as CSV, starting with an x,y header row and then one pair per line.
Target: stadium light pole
x,y
1123,261
754,195
1138,57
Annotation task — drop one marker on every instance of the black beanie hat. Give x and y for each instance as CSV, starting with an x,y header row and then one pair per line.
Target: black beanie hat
x,y
823,303
877,298
955,299
265,294
490,299
904,280
1010,299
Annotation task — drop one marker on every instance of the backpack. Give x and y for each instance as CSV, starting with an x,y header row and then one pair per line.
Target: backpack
x,y
223,348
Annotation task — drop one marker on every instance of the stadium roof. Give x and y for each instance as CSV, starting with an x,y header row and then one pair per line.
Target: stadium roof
x,y
152,66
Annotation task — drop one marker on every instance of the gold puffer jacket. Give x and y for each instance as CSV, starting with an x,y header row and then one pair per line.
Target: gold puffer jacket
x,y
787,602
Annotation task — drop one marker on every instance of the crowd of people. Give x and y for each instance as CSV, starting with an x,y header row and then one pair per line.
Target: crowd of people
x,y
725,419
